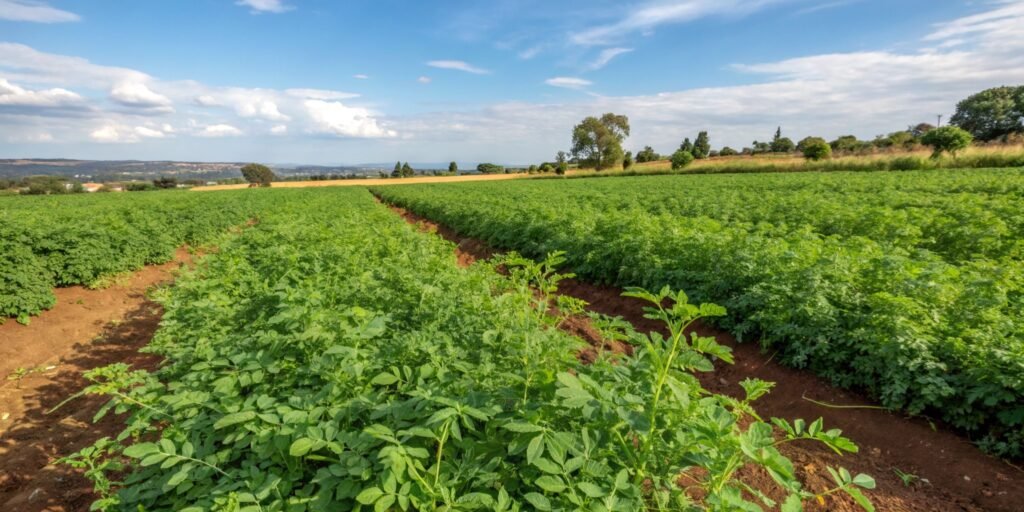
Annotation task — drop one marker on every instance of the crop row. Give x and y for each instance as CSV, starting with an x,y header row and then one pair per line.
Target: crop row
x,y
334,358
925,317
61,241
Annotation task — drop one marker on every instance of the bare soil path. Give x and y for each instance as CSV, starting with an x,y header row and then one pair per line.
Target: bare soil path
x,y
42,364
952,474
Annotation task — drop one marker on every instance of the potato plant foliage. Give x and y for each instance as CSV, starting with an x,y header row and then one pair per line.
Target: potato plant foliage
x,y
335,358
78,240
908,285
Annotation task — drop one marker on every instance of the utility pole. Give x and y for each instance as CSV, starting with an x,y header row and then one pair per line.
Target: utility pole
x,y
939,125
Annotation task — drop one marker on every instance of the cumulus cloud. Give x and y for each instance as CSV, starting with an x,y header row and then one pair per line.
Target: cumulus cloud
x,y
568,82
457,65
424,80
279,129
30,10
14,96
334,118
322,94
114,134
139,95
143,131
219,130
261,6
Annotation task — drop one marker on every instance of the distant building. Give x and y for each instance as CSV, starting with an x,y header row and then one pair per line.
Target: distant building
x,y
92,187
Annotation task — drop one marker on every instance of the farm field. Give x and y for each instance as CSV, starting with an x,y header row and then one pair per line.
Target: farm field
x,y
906,285
332,356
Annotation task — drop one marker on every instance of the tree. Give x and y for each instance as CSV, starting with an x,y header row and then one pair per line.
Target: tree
x,y
532,169
920,129
490,169
701,146
727,151
992,113
681,159
453,168
561,157
397,173
165,182
647,155
760,147
846,143
815,148
627,161
547,167
258,175
686,146
407,171
561,168
947,138
598,142
900,139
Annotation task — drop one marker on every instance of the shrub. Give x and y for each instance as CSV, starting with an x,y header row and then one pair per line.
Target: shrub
x,y
727,151
815,148
681,159
907,163
947,139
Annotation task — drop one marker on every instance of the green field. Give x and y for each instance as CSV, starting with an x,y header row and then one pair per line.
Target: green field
x,y
330,356
907,285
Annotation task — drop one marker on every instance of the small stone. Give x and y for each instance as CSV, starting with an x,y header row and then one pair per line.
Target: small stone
x,y
35,495
967,478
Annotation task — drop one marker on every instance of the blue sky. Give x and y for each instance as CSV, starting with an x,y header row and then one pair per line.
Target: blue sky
x,y
319,81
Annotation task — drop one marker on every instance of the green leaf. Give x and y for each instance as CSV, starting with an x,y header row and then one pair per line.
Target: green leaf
x,y
865,481
384,379
369,495
792,504
522,427
301,446
592,490
859,497
550,483
535,449
539,501
234,419
140,450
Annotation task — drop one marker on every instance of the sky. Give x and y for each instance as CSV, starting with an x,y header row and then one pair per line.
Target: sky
x,y
365,81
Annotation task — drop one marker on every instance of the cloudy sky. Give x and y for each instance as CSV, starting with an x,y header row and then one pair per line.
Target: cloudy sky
x,y
321,81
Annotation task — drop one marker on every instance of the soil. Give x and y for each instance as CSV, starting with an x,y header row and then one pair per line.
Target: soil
x,y
952,474
86,329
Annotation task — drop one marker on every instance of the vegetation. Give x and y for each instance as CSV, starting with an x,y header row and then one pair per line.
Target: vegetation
x,y
258,175
453,168
681,159
815,148
597,142
490,169
948,139
992,114
647,155
372,372
906,285
702,146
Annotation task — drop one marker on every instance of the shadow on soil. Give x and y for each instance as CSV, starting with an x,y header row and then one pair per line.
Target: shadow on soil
x,y
29,481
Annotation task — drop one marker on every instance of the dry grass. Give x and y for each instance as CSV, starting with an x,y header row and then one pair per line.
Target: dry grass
x,y
373,182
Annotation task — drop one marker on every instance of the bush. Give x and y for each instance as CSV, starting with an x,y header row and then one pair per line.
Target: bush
x,y
562,167
815,148
947,139
907,163
727,151
680,159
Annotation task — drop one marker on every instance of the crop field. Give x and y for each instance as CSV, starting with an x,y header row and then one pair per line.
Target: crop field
x,y
909,286
329,356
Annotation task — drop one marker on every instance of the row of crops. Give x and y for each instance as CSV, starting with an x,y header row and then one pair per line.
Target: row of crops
x,y
48,241
332,357
907,285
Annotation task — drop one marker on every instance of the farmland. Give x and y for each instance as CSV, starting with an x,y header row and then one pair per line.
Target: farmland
x,y
906,285
331,356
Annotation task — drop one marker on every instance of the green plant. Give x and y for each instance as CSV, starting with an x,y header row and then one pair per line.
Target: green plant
x,y
947,139
681,159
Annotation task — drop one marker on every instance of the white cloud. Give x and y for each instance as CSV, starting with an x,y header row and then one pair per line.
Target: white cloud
x,y
143,131
606,56
111,133
279,129
261,6
263,110
27,65
30,10
321,94
424,80
30,138
139,95
219,130
530,52
457,65
15,96
207,100
332,117
568,82
361,76
659,12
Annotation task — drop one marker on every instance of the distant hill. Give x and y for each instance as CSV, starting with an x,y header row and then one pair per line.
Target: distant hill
x,y
125,170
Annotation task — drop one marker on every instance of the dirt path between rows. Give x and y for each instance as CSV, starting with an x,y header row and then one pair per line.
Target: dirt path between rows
x,y
952,474
85,330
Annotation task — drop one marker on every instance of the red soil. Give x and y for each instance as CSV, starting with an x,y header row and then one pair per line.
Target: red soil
x,y
85,330
953,475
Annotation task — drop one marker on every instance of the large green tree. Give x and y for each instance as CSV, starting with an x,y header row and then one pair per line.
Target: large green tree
x,y
992,113
453,168
701,146
258,174
647,155
597,142
397,173
947,139
407,171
